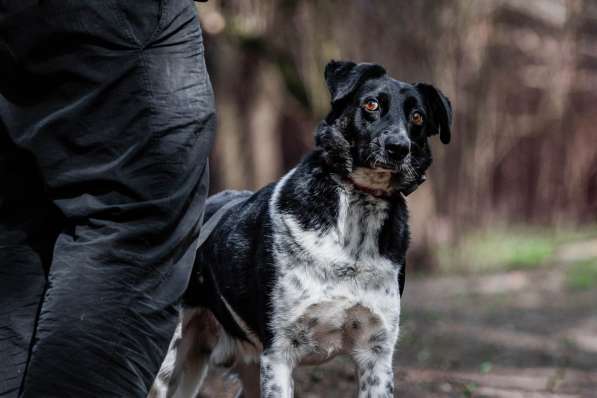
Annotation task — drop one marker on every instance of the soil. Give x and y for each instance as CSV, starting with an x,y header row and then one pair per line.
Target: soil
x,y
516,334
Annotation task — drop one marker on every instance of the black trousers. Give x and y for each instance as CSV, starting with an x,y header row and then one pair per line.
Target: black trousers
x,y
106,121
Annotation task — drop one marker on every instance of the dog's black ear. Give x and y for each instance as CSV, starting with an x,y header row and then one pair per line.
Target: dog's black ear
x,y
439,111
343,77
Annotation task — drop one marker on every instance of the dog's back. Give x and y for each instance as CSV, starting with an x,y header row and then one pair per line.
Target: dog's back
x,y
230,262
215,202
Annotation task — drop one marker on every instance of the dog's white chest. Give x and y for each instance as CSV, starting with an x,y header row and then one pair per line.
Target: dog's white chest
x,y
334,290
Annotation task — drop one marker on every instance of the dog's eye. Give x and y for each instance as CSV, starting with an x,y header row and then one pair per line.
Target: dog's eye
x,y
371,105
416,118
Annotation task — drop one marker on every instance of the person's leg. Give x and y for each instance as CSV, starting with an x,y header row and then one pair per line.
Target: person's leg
x,y
121,124
28,228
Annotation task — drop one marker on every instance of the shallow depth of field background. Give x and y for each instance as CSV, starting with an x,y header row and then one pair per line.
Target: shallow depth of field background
x,y
501,299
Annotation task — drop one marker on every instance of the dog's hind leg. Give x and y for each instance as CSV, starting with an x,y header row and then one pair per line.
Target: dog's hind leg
x,y
186,363
248,373
160,387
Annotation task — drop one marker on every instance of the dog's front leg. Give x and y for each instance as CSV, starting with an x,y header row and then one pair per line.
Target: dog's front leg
x,y
276,376
376,376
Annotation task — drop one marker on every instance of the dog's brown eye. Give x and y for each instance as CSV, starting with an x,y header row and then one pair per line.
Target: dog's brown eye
x,y
371,105
416,118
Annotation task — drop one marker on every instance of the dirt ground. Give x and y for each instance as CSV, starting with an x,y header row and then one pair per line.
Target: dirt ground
x,y
520,334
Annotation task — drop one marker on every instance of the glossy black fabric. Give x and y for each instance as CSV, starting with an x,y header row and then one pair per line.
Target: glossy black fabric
x,y
106,121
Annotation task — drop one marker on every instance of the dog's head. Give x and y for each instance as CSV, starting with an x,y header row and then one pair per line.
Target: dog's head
x,y
378,127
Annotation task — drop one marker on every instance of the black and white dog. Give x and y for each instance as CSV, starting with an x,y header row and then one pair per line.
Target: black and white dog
x,y
313,266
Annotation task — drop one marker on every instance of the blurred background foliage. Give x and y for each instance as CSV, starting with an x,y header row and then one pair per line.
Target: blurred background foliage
x,y
520,175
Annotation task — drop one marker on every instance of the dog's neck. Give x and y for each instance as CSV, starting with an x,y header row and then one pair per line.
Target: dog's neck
x,y
376,182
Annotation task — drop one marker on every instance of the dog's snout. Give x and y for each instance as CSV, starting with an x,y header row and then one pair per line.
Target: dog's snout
x,y
397,146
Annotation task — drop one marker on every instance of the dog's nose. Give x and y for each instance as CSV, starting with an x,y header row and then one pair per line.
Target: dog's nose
x,y
397,146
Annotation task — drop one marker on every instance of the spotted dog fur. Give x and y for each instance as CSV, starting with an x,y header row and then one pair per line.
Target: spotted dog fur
x,y
313,266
